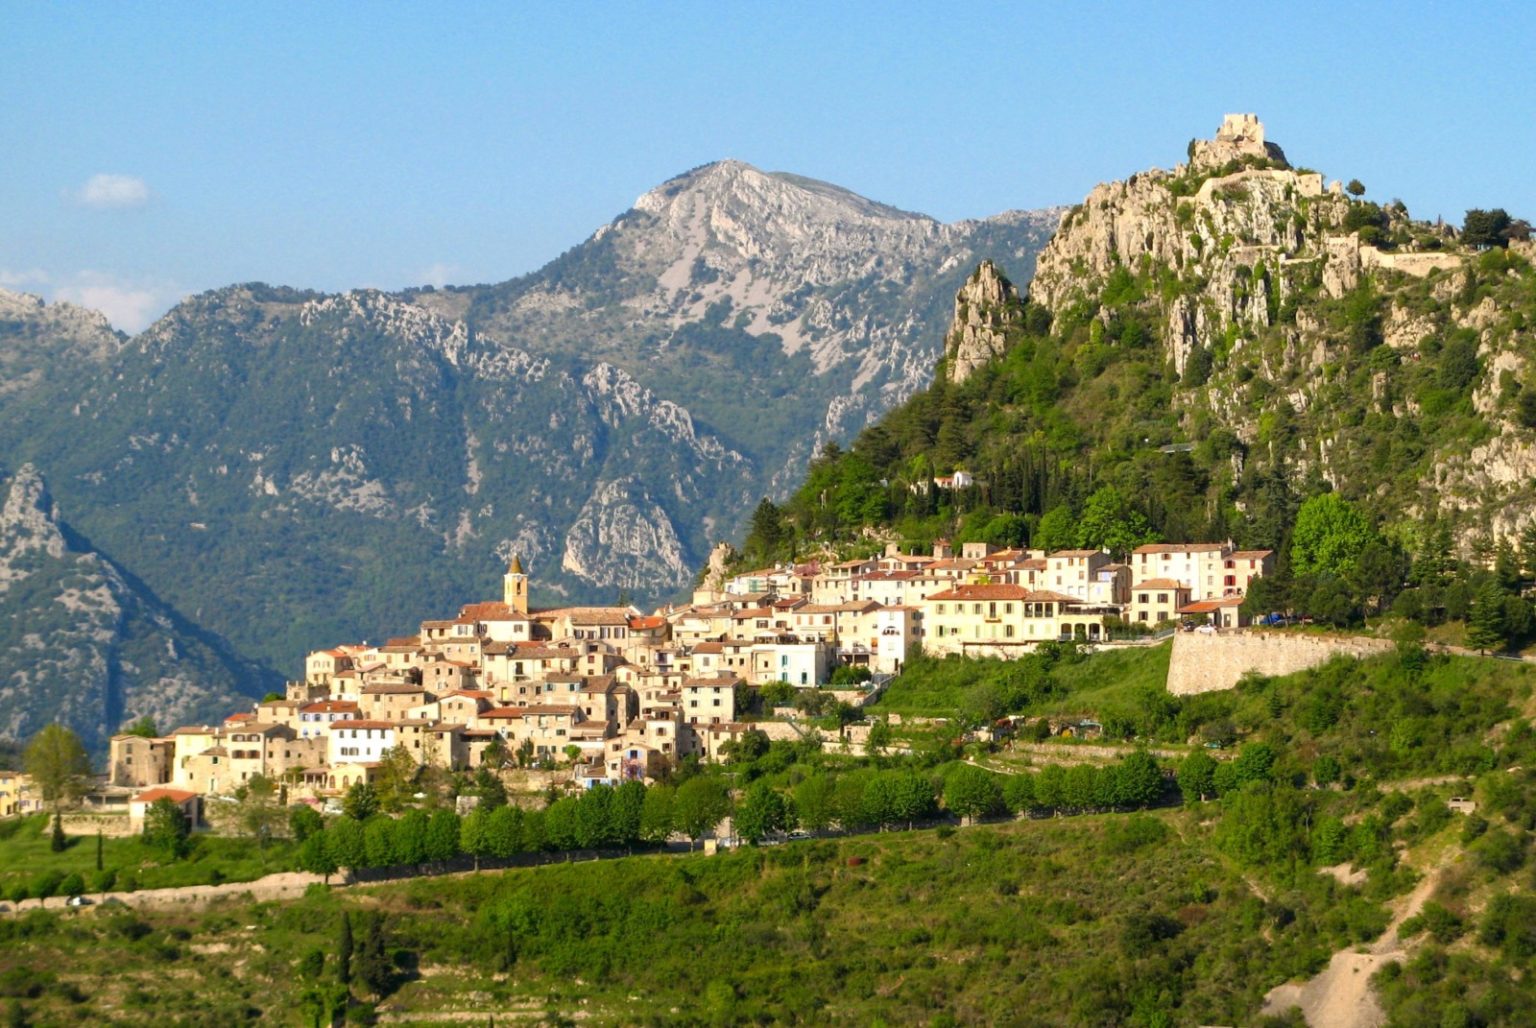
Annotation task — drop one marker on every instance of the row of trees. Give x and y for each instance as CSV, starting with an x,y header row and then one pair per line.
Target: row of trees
x,y
634,814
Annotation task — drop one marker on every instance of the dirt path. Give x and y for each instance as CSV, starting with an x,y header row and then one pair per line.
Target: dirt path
x,y
1341,995
288,885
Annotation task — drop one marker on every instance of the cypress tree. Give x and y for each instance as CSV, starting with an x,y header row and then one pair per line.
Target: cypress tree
x,y
344,951
58,842
98,849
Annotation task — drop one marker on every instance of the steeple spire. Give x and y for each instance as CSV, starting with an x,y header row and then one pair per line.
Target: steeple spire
x,y
515,586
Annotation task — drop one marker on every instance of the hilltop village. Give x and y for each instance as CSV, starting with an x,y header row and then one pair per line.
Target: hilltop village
x,y
622,695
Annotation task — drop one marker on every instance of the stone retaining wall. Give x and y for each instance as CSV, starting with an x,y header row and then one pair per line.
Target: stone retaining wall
x,y
1207,662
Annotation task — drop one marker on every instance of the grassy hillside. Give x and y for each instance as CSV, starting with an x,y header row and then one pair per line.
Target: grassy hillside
x,y
1093,920
1332,811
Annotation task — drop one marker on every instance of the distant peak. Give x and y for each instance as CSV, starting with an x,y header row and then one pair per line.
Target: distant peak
x,y
735,177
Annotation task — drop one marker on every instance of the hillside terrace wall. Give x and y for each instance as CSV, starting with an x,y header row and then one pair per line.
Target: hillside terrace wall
x,y
1209,662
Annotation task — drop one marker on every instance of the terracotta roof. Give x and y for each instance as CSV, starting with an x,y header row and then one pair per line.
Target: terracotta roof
x,y
330,707
1179,547
710,646
1250,554
391,690
239,717
502,713
754,612
1073,553
359,723
647,623
1206,606
1160,583
174,795
995,591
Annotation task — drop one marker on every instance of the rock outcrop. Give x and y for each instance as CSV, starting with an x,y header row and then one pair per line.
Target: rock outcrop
x,y
83,645
986,307
1267,290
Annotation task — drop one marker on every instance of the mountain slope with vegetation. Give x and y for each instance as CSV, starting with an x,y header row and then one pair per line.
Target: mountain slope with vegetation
x,y
287,469
1202,352
87,646
1326,807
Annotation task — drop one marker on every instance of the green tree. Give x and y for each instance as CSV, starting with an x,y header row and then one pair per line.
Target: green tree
x,y
442,837
304,821
474,837
1329,537
971,792
1481,229
361,802
656,814
595,828
1355,188
1485,626
72,885
374,970
1110,521
1255,762
411,837
700,804
1197,777
489,788
769,533
255,813
344,951
344,837
762,812
57,762
1051,787
628,813
56,840
396,779
144,728
315,855
379,841
1139,782
166,827
1055,530
813,802
1019,793
504,832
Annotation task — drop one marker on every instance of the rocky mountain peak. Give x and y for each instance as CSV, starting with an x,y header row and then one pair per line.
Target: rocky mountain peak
x,y
27,522
1240,137
985,308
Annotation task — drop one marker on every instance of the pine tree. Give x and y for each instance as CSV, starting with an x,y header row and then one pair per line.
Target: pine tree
x,y
1485,625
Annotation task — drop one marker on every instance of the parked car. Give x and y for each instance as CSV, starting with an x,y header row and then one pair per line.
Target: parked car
x,y
78,901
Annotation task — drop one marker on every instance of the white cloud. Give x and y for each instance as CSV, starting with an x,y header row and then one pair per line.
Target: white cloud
x,y
113,192
130,306
21,278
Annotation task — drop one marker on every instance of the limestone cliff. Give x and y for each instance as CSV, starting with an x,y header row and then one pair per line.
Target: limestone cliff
x,y
82,644
985,308
1328,335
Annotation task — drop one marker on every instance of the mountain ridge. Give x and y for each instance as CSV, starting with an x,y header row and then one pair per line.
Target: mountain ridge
x,y
290,467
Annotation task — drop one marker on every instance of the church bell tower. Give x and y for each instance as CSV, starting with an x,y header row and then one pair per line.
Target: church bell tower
x,y
515,586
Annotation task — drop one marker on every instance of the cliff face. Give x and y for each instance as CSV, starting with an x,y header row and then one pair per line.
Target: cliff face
x,y
986,307
288,468
82,645
1329,336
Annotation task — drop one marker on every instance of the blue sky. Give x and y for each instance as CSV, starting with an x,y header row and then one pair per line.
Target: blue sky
x,y
152,151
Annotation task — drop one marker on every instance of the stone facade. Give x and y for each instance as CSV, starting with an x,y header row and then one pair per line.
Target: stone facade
x,y
1210,662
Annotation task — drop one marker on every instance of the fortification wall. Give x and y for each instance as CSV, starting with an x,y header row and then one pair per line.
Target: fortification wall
x,y
1207,662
